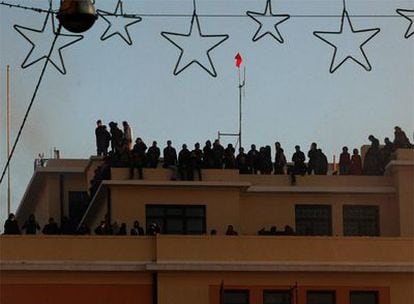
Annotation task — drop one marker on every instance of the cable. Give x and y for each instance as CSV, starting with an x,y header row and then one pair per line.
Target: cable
x,y
39,10
167,15
30,104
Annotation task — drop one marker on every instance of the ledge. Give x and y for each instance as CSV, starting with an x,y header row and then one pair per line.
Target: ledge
x,y
302,189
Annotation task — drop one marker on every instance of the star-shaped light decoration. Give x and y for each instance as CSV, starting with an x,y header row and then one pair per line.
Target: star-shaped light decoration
x,y
268,23
348,43
48,32
119,25
199,55
409,15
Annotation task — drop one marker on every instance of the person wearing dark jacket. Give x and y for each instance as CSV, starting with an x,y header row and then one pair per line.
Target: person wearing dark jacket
x,y
313,158
253,159
137,229
197,159
208,159
229,158
153,155
100,138
280,159
116,137
51,227
138,157
31,226
11,226
170,159
322,163
298,159
218,154
184,164
241,162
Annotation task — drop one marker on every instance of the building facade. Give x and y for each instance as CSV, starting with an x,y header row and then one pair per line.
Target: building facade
x,y
353,239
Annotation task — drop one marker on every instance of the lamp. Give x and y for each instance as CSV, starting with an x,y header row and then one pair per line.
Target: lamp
x,y
77,16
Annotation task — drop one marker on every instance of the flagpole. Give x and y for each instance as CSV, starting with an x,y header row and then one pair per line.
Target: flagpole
x,y
8,135
240,110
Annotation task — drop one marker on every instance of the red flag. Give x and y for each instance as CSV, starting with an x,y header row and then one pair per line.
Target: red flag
x,y
239,60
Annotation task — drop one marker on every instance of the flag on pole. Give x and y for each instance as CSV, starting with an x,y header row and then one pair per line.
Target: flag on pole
x,y
239,60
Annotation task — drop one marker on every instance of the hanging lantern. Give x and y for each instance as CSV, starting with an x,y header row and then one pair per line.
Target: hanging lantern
x,y
76,16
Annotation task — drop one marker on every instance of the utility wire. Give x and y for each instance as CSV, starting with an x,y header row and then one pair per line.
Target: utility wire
x,y
30,104
168,15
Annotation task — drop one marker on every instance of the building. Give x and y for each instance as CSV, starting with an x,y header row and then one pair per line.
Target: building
x,y
353,242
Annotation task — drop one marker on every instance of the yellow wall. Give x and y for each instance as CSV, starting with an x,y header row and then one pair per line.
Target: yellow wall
x,y
200,264
248,212
128,203
203,288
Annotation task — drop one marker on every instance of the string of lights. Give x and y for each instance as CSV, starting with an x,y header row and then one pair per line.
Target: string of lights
x,y
169,15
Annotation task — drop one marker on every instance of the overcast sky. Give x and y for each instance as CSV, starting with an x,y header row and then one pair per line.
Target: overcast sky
x,y
290,95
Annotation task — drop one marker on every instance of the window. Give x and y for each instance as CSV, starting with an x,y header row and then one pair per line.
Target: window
x,y
320,297
313,220
236,297
276,297
364,297
361,220
178,219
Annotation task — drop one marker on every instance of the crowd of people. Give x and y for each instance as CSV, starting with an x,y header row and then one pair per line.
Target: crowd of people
x,y
213,155
32,227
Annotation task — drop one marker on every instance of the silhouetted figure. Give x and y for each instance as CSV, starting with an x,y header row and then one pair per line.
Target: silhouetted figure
x,y
401,140
344,162
356,163
51,227
373,161
122,230
184,163
253,159
298,159
102,139
170,155
170,159
218,154
153,155
31,226
313,158
229,158
127,135
116,137
266,160
197,160
321,163
154,229
208,158
11,226
280,159
137,229
230,230
387,152
241,162
139,157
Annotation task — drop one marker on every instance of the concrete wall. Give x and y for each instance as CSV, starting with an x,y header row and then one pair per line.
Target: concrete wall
x,y
40,269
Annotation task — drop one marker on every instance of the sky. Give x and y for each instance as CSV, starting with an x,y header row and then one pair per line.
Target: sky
x,y
290,94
